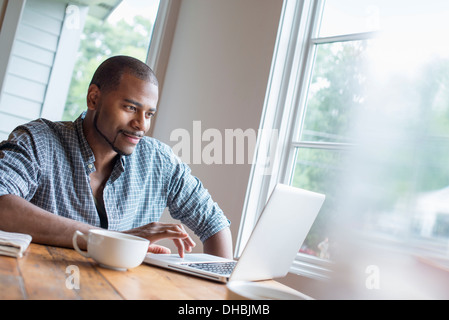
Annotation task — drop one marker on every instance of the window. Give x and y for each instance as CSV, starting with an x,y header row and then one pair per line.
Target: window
x,y
126,31
359,98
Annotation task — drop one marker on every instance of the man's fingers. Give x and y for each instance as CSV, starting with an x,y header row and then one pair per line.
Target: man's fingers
x,y
156,231
188,242
155,248
184,244
169,234
169,231
180,245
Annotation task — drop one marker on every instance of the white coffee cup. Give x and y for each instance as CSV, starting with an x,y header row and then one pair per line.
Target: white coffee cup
x,y
112,249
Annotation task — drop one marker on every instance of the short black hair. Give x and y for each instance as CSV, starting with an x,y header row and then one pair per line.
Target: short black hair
x,y
109,73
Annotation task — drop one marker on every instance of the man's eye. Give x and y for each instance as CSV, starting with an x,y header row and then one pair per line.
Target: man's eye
x,y
130,108
150,115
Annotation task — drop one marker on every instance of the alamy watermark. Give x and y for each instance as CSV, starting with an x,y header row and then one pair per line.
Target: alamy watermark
x,y
373,279
73,279
233,146
73,17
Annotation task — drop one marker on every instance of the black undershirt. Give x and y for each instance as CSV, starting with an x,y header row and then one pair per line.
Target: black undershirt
x,y
101,213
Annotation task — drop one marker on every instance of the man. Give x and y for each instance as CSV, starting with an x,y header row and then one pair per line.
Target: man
x,y
101,171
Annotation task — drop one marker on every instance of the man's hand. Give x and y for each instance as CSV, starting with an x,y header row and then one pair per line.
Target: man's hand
x,y
156,231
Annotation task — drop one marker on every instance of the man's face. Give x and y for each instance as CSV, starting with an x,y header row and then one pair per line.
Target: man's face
x,y
123,116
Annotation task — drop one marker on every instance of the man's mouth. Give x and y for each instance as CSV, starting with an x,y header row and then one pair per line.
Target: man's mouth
x,y
132,137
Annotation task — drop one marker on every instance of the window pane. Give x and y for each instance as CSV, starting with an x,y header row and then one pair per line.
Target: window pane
x,y
430,86
424,192
354,16
349,16
389,96
127,31
337,89
402,138
319,171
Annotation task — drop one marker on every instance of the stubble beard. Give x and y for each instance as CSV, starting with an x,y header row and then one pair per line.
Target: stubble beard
x,y
111,143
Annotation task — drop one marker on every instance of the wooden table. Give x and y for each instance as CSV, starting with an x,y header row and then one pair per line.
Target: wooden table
x,y
46,272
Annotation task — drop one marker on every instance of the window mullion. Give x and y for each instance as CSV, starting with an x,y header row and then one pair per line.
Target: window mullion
x,y
322,145
345,38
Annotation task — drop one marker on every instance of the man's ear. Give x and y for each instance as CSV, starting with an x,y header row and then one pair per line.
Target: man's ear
x,y
93,96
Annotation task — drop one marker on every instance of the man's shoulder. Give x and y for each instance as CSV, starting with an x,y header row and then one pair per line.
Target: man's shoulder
x,y
42,128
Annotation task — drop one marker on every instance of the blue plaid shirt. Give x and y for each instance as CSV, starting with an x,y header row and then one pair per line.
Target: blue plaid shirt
x,y
49,163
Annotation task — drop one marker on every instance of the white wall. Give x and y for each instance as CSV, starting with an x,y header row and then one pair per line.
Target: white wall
x,y
217,73
3,4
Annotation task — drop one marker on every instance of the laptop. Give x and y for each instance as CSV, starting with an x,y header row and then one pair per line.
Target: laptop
x,y
277,237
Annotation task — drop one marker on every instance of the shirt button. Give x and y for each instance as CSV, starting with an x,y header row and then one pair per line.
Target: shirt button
x,y
90,165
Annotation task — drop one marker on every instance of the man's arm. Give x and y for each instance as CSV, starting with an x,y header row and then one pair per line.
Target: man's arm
x,y
220,244
19,215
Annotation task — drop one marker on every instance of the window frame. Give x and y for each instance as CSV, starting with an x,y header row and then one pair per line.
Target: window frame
x,y
284,112
160,43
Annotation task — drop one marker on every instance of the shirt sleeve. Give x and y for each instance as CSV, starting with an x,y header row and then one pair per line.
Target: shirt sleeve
x,y
190,202
19,165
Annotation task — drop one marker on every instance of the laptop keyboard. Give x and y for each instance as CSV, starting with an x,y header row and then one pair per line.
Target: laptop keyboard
x,y
223,268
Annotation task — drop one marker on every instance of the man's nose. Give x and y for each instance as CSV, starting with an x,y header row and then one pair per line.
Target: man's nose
x,y
140,122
